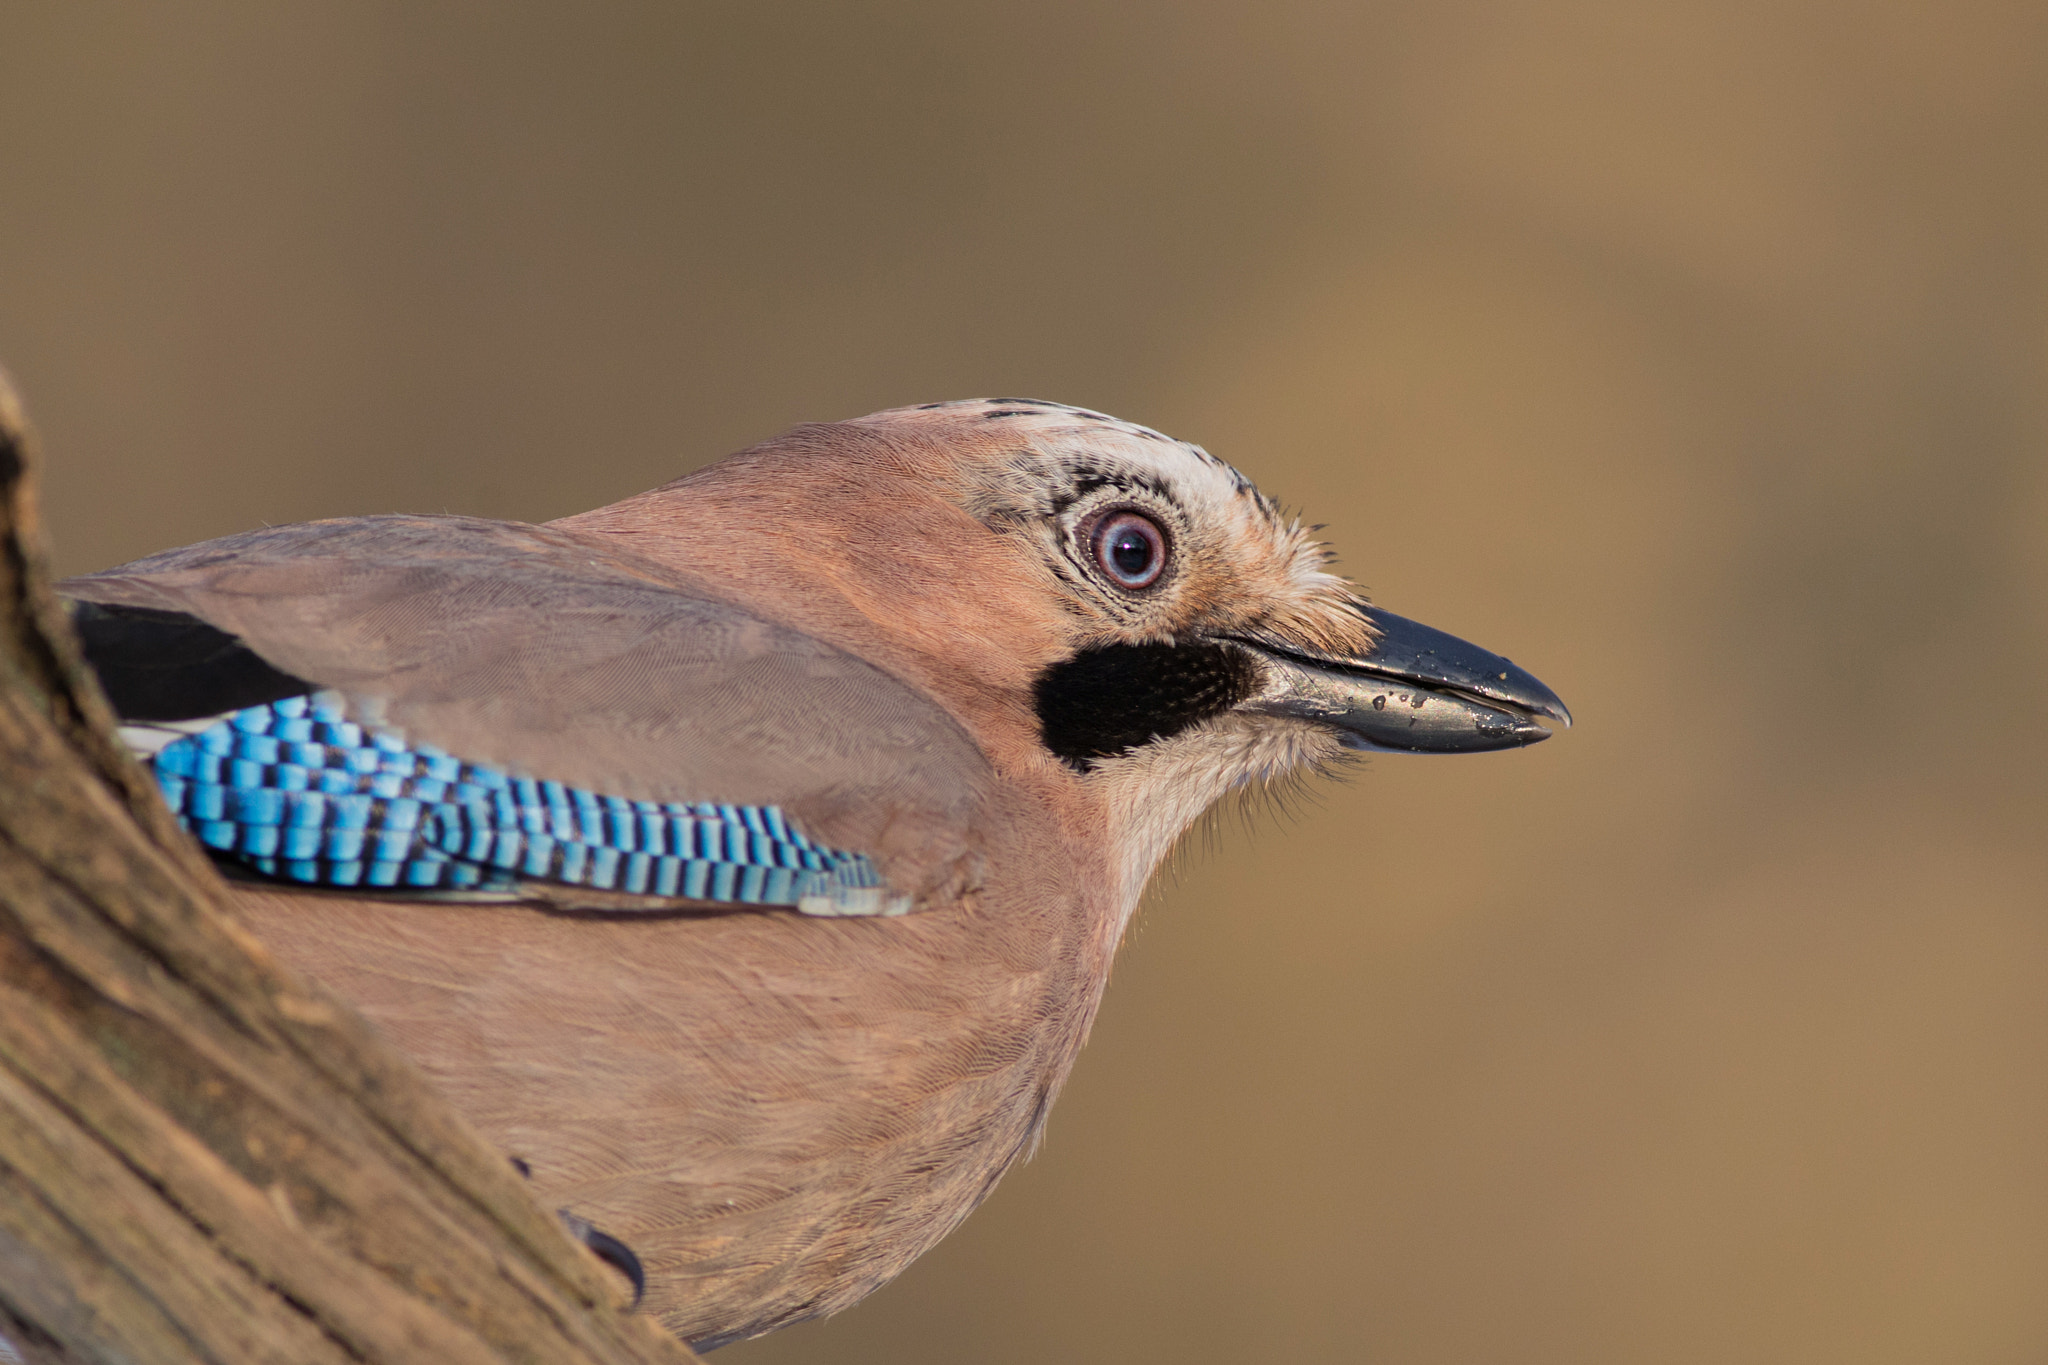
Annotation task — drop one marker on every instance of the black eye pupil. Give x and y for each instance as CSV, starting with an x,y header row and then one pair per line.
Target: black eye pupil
x,y
1131,552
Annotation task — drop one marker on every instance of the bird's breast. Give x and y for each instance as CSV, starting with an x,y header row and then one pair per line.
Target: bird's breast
x,y
777,1114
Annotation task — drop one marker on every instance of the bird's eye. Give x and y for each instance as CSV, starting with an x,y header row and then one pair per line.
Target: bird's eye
x,y
1131,549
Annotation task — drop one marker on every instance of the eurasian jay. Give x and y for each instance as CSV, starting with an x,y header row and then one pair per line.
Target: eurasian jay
x,y
746,858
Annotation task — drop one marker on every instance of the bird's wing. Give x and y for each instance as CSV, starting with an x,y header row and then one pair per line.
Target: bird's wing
x,y
544,654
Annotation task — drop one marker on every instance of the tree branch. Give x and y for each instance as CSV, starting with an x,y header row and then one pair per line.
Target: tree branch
x,y
202,1157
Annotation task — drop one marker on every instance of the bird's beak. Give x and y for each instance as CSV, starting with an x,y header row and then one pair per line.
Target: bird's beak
x,y
1417,690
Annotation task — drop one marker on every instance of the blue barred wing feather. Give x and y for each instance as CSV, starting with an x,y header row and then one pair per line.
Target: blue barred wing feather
x,y
296,790
371,702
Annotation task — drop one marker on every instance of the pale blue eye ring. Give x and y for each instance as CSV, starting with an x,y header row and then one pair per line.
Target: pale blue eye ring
x,y
1131,549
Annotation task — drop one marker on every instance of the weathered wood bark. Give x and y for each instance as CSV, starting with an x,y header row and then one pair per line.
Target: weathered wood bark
x,y
202,1158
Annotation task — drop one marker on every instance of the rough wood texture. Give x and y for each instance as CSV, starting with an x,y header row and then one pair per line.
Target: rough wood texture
x,y
201,1158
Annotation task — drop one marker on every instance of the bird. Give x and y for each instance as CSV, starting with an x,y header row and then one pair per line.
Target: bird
x,y
746,858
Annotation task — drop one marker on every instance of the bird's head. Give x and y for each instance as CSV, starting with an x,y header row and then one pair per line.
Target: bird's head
x,y
1090,598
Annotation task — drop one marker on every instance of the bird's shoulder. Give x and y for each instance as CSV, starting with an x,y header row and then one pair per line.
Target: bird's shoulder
x,y
547,654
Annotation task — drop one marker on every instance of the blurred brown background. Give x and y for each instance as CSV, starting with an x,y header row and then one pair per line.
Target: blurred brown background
x,y
1692,354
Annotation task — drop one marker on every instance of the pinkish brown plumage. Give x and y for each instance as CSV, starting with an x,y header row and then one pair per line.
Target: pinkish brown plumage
x,y
910,633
